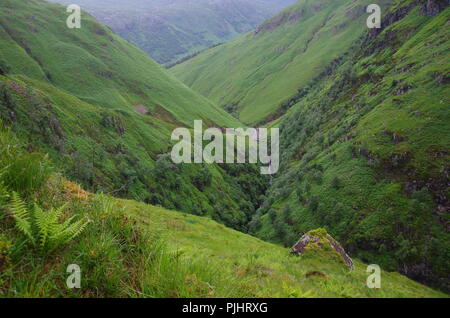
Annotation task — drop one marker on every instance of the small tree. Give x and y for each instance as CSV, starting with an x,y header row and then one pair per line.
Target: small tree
x,y
336,183
286,214
272,215
313,203
300,194
203,179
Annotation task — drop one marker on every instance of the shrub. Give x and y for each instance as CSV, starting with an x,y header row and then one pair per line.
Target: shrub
x,y
316,176
7,103
280,229
300,194
21,172
335,183
4,69
255,224
203,179
313,203
5,96
286,213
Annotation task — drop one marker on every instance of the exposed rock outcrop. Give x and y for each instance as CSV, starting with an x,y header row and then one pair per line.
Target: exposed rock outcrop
x,y
320,239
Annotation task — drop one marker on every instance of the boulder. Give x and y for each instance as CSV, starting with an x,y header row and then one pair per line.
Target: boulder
x,y
320,239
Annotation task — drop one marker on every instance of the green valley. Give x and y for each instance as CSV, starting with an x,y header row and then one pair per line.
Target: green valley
x,y
256,75
364,125
171,30
104,111
87,178
130,249
365,150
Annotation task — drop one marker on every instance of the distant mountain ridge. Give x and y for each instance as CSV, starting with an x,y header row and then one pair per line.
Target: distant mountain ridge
x,y
170,30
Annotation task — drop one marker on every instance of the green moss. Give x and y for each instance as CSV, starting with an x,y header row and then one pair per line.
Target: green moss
x,y
321,233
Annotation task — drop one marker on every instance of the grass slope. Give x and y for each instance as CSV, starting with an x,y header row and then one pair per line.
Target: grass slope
x,y
130,249
93,63
365,150
255,74
104,111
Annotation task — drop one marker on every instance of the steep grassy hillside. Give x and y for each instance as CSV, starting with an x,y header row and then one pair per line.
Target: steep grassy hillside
x,y
130,249
104,111
365,149
93,63
170,30
255,76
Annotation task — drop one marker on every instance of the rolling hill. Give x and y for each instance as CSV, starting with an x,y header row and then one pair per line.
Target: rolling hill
x,y
363,120
256,74
94,64
105,111
364,157
129,249
365,149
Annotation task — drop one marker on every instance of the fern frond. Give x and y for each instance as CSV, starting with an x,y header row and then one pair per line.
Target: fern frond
x,y
77,228
70,231
44,224
49,233
57,213
22,216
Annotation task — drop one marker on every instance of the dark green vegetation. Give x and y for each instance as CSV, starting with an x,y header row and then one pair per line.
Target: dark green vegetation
x,y
171,30
130,249
104,112
364,155
257,74
365,149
